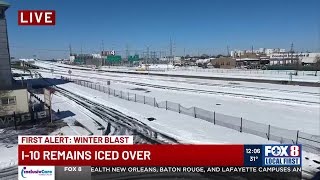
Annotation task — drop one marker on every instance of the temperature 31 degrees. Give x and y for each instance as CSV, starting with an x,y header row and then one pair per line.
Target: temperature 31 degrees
x,y
253,158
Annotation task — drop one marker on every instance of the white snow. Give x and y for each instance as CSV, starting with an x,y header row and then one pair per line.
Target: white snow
x,y
294,116
233,73
9,155
171,123
81,114
182,127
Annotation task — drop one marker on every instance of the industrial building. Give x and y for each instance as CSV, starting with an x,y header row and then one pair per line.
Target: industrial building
x,y
292,58
5,67
224,62
273,57
13,96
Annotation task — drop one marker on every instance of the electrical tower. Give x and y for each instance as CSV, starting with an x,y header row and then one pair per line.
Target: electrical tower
x,y
70,49
127,51
297,61
102,43
228,52
171,52
148,55
291,52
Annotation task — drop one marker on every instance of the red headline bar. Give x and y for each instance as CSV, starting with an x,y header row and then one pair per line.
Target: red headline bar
x,y
131,155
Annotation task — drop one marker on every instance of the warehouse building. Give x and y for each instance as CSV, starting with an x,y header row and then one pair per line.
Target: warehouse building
x,y
288,58
224,62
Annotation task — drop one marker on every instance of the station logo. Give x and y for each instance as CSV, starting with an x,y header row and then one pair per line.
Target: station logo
x,y
36,172
282,155
36,17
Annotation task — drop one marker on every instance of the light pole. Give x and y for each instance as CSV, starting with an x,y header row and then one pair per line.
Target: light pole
x,y
101,128
51,93
146,63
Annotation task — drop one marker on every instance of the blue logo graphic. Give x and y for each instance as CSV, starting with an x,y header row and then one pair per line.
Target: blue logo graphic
x,y
282,155
22,171
40,172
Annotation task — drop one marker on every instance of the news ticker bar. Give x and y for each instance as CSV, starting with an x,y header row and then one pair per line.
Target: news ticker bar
x,y
160,155
94,172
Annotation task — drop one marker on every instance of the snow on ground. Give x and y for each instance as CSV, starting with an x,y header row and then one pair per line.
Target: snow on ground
x,y
228,74
192,130
302,96
18,71
235,84
287,115
184,128
9,150
247,75
291,93
9,155
66,130
80,114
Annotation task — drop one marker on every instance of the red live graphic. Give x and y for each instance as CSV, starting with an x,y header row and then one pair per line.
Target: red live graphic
x,y
36,17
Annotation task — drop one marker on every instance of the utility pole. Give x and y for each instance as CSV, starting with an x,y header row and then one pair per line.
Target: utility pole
x,y
81,54
127,51
297,61
228,52
147,56
170,59
70,49
103,61
102,43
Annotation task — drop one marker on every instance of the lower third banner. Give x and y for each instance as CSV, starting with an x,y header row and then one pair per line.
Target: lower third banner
x,y
167,172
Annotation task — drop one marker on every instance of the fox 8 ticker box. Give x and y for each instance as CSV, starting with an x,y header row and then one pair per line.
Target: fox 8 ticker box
x,y
281,155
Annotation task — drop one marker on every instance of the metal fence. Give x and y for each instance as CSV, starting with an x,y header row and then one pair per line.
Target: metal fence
x,y
247,71
310,142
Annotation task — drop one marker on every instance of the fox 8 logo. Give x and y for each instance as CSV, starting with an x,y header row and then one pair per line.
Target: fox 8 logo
x,y
291,150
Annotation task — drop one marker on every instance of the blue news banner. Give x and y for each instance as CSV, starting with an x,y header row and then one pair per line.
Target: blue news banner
x,y
279,161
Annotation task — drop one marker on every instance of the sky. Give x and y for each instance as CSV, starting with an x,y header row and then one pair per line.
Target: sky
x,y
195,26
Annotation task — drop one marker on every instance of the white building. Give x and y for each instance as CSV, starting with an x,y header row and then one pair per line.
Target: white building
x,y
72,58
96,55
282,50
262,50
203,61
232,53
176,58
276,50
285,58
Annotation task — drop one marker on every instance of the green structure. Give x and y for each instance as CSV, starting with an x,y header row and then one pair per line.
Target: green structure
x,y
113,59
79,61
133,58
